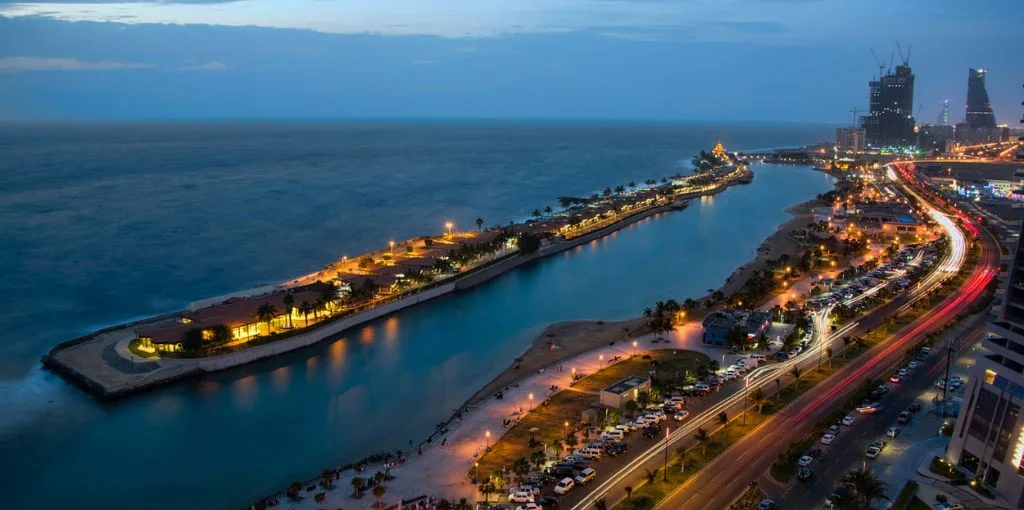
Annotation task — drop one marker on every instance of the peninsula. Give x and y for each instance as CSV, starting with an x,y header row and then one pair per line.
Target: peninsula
x,y
228,331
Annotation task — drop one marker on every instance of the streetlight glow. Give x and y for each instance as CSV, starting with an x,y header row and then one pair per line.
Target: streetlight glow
x,y
448,225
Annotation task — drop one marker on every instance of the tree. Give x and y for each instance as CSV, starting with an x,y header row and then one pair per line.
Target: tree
x,y
293,490
642,399
758,398
631,406
305,308
486,488
192,340
535,213
521,467
547,210
538,458
289,300
796,373
702,437
778,387
846,345
629,492
378,493
828,355
327,478
358,484
867,485
684,459
221,333
607,192
266,313
651,475
528,243
479,223
601,504
463,504
320,498
723,419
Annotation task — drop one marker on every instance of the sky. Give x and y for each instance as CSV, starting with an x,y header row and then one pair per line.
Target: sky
x,y
723,60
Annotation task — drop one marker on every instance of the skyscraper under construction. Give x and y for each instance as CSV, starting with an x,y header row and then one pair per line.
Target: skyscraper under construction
x,y
891,122
979,109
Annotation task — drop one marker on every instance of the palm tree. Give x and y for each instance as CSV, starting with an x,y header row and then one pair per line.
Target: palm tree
x,y
293,490
320,498
702,437
868,486
358,484
684,459
758,398
629,492
378,493
305,309
651,475
479,223
723,419
828,355
486,488
601,504
289,300
778,388
463,504
327,479
796,373
846,345
266,313
536,213
547,210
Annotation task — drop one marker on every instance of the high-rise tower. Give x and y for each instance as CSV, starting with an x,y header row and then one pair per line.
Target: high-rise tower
x,y
979,109
891,122
944,113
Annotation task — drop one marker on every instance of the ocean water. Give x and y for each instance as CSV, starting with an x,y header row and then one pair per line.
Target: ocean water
x,y
103,223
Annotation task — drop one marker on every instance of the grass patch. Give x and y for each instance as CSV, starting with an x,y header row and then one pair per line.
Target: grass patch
x,y
942,467
669,365
907,494
550,421
133,347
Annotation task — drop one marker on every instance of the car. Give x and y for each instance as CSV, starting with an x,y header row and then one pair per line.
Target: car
x,y
529,506
945,505
827,439
781,356
871,408
702,387
912,365
914,407
521,497
651,432
585,476
616,449
563,487
794,351
904,417
834,430
941,383
849,419
805,461
872,452
893,432
896,379
766,504
903,372
805,474
681,415
548,503
561,470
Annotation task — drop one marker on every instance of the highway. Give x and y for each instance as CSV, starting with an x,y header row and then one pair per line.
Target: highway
x,y
727,476
610,485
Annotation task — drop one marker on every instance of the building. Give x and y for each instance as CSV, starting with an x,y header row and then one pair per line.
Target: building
x,y
240,318
886,218
616,395
988,438
890,122
934,136
979,110
719,325
850,140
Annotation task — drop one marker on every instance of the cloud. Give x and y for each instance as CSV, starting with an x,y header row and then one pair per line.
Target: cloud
x,y
209,66
15,64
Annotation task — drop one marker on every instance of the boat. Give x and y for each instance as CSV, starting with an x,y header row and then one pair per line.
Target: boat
x,y
680,204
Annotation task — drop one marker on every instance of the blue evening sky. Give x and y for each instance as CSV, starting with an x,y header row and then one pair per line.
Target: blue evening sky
x,y
758,60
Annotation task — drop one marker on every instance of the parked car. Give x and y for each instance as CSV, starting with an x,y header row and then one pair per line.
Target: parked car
x,y
914,407
805,474
827,439
681,415
521,497
912,365
563,487
848,420
895,379
615,449
893,432
548,503
585,476
805,461
904,417
529,506
766,504
834,430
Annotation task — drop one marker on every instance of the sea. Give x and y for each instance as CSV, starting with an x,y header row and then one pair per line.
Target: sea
x,y
104,223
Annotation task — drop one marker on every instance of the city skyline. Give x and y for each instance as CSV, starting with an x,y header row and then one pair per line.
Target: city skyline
x,y
730,61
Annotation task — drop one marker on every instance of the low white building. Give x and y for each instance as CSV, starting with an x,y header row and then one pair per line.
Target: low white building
x,y
616,395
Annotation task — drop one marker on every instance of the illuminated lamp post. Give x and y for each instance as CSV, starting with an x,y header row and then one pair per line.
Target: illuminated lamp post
x,y
391,244
530,396
487,443
448,225
634,347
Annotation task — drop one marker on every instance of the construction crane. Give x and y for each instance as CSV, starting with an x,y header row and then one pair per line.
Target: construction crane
x,y
881,66
917,112
855,111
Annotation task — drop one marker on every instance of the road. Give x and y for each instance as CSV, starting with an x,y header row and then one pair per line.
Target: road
x,y
848,450
726,477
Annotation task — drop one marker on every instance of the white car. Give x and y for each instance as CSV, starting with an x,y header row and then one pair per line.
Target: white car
x,y
805,461
564,486
912,365
872,452
903,372
849,419
893,432
529,506
827,439
585,476
521,497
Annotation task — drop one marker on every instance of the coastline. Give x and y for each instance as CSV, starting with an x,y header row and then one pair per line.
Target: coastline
x,y
104,371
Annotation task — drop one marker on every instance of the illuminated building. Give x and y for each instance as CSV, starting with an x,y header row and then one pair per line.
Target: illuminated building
x,y
988,439
979,110
890,122
850,140
719,150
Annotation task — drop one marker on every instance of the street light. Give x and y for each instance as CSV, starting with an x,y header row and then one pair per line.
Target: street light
x,y
487,434
600,358
391,244
448,225
664,470
531,401
634,347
